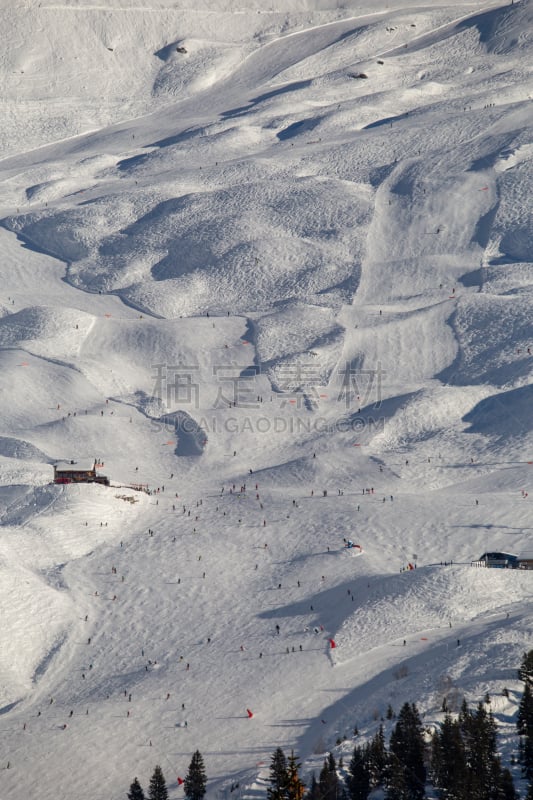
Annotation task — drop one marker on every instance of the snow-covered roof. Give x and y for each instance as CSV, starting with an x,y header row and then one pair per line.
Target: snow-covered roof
x,y
496,555
85,465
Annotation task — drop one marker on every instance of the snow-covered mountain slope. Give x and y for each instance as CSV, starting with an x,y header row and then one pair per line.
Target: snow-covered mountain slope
x,y
293,256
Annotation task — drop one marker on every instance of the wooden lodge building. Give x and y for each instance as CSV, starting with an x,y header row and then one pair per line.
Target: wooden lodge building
x,y
78,472
497,560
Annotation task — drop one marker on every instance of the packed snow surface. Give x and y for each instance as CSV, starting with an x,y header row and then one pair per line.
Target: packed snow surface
x,y
273,263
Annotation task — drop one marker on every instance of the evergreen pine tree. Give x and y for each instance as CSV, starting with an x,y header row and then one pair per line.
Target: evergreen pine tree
x,y
358,782
397,788
524,725
328,780
278,776
135,792
526,753
525,671
195,780
377,759
295,786
507,790
524,720
493,761
483,774
448,763
407,753
158,788
314,790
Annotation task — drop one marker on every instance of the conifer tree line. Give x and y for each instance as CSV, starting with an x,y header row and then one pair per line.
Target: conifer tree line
x,y
524,720
194,784
459,760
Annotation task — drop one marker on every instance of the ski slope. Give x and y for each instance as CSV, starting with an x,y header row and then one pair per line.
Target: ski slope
x,y
295,303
